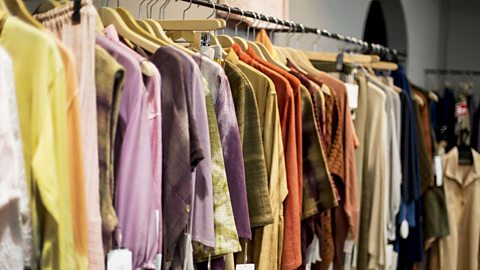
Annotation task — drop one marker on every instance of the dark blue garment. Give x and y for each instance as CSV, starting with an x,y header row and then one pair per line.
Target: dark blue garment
x,y
410,249
445,122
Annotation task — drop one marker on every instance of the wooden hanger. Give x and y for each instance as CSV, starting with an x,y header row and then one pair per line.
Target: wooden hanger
x,y
45,6
332,57
382,65
282,57
110,16
158,30
18,9
192,25
146,27
270,58
133,25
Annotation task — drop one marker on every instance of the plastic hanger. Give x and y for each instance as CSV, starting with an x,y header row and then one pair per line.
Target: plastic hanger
x,y
18,9
110,16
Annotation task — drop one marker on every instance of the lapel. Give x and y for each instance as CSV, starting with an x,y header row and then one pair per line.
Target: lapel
x,y
453,171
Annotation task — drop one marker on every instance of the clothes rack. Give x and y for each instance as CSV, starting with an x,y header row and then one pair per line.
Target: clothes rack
x,y
452,72
292,27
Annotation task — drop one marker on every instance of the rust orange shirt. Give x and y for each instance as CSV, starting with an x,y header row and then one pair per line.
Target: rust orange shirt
x,y
291,254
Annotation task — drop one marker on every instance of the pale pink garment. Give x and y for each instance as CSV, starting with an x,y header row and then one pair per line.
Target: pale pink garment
x,y
80,39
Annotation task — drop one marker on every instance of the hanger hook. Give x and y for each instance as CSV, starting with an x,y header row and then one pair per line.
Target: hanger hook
x,y
151,8
274,29
300,36
228,17
185,11
250,25
256,25
214,9
140,8
290,30
161,8
239,22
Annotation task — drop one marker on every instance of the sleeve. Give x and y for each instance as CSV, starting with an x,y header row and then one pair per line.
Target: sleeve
x,y
134,186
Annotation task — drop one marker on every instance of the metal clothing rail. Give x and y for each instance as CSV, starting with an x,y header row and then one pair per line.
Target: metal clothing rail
x,y
292,27
452,72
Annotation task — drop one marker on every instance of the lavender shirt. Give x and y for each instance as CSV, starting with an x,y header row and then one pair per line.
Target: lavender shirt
x,y
153,84
230,138
134,185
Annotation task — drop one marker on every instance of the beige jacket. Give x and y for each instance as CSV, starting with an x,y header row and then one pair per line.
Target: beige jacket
x,y
460,250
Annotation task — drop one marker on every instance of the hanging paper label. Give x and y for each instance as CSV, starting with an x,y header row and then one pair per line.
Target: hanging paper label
x,y
158,262
404,229
437,163
461,109
249,266
352,90
119,259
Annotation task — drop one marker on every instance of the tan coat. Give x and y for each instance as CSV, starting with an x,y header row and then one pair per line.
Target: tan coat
x,y
460,250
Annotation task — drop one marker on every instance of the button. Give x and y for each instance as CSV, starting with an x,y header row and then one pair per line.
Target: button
x,y
187,208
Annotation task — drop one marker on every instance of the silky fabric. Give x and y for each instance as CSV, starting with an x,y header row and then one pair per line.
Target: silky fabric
x,y
16,227
246,110
153,84
268,240
43,124
230,138
317,169
183,148
202,227
109,80
134,203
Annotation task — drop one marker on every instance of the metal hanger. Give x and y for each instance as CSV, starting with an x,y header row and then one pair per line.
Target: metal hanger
x,y
240,41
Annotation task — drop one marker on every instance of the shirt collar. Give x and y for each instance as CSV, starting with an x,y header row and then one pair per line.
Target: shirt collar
x,y
452,171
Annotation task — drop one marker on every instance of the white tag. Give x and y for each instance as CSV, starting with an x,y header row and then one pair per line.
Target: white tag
x,y
404,229
158,262
437,164
394,260
388,256
119,259
348,246
352,90
248,266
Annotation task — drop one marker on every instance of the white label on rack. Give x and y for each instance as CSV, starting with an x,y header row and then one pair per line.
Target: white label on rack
x,y
437,163
248,266
119,259
352,90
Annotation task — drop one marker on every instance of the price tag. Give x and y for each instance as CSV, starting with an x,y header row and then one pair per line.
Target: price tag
x,y
249,266
404,229
461,109
119,259
352,90
158,262
437,163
